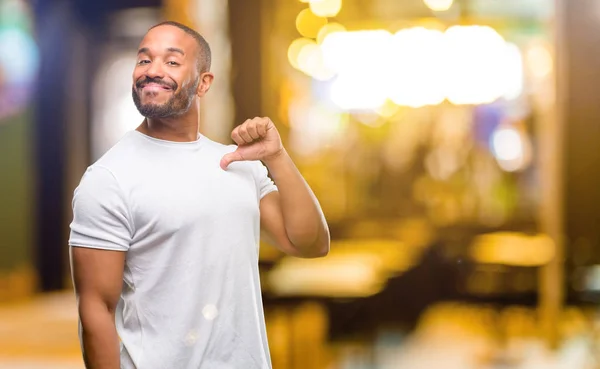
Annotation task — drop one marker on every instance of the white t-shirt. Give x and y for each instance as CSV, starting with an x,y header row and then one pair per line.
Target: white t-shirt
x,y
191,295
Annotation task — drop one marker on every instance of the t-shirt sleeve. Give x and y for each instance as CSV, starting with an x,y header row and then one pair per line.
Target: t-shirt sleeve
x,y
101,217
264,184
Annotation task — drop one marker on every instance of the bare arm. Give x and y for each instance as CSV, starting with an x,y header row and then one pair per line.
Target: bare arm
x,y
98,279
292,217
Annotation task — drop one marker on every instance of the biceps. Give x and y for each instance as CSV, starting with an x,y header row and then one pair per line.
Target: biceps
x,y
97,275
272,225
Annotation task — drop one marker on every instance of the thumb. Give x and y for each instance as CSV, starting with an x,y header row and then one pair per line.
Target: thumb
x,y
230,158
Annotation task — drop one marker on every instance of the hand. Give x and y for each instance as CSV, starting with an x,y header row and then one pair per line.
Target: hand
x,y
257,139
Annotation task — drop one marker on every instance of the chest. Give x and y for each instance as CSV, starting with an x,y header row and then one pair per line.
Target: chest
x,y
180,199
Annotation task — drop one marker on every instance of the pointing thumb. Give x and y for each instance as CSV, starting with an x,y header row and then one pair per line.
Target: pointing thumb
x,y
230,158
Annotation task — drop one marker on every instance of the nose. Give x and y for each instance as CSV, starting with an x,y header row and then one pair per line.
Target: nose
x,y
155,70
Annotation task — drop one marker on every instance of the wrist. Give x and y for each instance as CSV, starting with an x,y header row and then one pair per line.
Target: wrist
x,y
274,160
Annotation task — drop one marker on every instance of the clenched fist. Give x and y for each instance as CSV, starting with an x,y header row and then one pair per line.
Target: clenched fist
x,y
257,139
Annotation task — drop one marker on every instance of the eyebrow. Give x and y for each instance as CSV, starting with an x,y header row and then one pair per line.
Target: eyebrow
x,y
145,50
175,50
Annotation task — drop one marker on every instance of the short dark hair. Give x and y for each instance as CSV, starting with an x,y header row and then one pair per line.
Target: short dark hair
x,y
204,57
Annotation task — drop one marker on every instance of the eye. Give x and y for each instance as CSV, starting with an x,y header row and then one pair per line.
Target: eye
x,y
144,61
172,63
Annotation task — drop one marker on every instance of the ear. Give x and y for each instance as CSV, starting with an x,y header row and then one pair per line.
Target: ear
x,y
206,80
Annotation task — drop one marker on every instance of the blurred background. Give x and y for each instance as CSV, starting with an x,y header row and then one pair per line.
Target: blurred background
x,y
453,146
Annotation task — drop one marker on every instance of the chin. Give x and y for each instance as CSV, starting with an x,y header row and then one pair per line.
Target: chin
x,y
150,98
151,106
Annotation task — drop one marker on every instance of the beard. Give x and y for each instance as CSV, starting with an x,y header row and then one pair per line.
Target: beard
x,y
177,105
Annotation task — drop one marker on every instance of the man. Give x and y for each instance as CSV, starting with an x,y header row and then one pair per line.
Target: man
x,y
164,240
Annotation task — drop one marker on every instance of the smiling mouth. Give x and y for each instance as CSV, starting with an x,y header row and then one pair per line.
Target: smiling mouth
x,y
155,87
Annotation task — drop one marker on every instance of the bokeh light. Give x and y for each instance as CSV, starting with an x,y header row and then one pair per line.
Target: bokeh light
x,y
539,61
511,148
439,5
361,63
507,144
328,29
309,24
326,8
475,60
19,57
310,61
347,52
513,72
415,69
295,48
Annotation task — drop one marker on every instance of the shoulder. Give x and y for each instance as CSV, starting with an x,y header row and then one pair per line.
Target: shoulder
x,y
121,163
97,182
102,175
120,155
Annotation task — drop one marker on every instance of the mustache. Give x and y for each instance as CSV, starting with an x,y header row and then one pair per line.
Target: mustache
x,y
158,81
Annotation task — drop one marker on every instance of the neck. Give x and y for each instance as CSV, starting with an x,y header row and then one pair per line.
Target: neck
x,y
179,129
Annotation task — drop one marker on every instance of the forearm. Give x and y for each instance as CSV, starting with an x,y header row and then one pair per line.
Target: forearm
x,y
99,339
304,221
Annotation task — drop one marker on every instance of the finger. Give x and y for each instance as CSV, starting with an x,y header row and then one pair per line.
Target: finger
x,y
243,132
235,136
252,129
262,127
230,158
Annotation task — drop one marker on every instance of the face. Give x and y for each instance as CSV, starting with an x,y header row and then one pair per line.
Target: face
x,y
166,80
